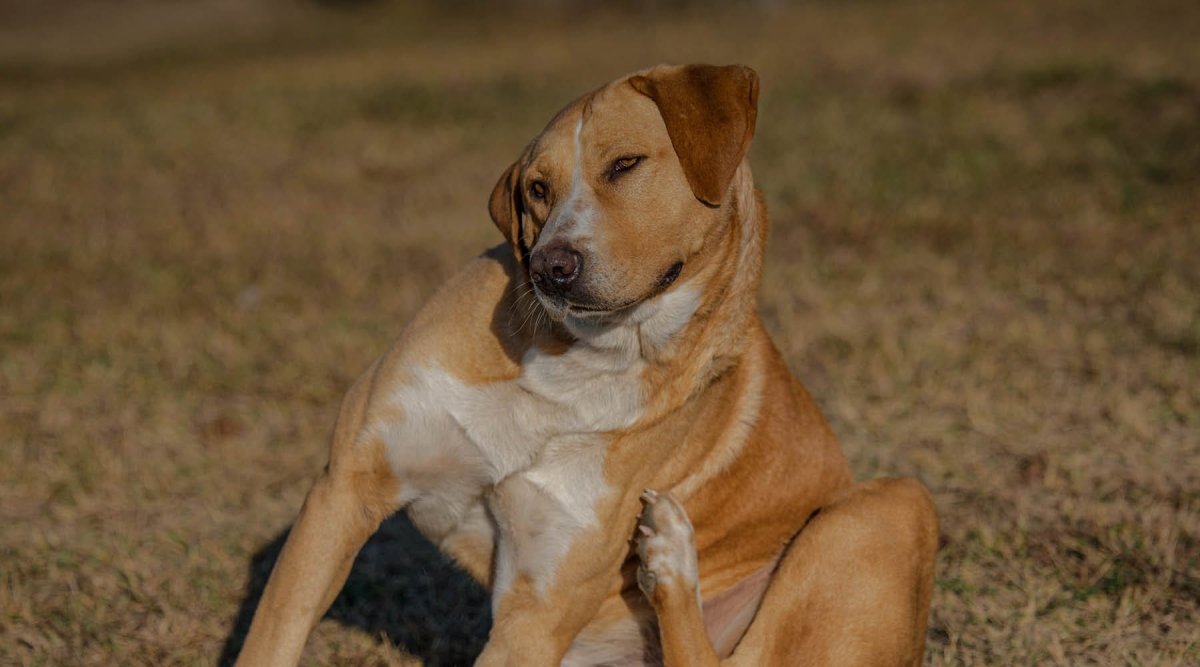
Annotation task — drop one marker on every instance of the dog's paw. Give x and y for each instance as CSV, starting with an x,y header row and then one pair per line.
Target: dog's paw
x,y
666,548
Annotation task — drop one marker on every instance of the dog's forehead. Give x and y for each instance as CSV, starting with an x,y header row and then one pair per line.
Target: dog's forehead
x,y
618,111
556,142
611,115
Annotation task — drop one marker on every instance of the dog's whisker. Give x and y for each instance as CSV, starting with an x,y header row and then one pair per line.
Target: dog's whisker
x,y
524,305
532,316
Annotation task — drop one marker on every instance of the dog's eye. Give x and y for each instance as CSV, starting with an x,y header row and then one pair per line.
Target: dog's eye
x,y
537,190
623,164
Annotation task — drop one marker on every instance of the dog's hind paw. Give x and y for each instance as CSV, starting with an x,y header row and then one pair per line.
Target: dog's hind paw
x,y
666,548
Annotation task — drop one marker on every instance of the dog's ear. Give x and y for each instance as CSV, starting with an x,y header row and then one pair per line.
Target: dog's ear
x,y
710,113
506,209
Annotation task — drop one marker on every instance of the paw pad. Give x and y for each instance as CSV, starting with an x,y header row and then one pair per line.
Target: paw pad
x,y
665,547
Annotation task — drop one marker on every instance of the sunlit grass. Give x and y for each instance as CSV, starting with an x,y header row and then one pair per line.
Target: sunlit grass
x,y
983,265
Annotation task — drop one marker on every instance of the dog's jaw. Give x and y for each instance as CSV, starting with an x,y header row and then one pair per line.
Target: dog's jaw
x,y
645,327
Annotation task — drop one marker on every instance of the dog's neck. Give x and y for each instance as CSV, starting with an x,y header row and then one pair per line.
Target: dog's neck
x,y
715,339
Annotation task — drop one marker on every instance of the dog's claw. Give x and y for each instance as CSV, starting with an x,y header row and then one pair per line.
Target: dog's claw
x,y
647,581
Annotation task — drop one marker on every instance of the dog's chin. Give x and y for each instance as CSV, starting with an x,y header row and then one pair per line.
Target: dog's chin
x,y
563,310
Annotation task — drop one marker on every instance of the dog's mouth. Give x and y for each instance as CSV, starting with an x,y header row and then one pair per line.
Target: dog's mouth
x,y
594,312
560,307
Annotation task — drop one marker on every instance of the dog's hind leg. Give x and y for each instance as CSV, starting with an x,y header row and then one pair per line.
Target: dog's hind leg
x,y
853,587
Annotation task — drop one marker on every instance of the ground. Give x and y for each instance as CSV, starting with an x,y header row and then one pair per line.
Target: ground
x,y
213,215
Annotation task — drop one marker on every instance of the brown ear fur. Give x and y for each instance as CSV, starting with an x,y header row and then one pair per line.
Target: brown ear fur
x,y
506,210
710,113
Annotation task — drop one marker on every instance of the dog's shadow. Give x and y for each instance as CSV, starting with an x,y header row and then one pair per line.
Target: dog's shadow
x,y
401,587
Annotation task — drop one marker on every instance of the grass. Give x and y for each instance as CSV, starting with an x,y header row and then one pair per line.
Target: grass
x,y
983,265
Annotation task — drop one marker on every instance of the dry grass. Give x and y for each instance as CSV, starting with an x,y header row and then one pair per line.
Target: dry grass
x,y
983,264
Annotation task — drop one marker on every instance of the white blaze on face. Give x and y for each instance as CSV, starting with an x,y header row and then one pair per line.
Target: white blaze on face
x,y
573,220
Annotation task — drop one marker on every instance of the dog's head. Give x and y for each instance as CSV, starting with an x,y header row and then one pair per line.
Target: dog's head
x,y
614,200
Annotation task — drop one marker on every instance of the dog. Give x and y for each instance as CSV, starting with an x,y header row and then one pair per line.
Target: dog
x,y
592,421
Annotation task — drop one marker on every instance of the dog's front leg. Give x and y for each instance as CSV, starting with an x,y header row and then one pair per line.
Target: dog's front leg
x,y
345,506
561,544
332,527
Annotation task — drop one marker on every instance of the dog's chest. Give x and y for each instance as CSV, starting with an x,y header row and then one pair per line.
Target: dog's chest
x,y
533,446
540,441
506,427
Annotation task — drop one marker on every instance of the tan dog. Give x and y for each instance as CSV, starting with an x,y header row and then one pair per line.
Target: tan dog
x,y
612,346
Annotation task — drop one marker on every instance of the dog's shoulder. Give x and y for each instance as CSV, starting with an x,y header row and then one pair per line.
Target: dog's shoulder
x,y
465,327
478,288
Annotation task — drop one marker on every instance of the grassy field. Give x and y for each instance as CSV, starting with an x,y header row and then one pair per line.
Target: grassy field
x,y
985,264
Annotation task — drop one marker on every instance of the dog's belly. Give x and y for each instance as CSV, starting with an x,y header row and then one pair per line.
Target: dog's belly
x,y
626,641
729,613
621,637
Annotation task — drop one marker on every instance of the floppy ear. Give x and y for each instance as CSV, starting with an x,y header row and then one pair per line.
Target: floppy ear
x,y
709,112
506,209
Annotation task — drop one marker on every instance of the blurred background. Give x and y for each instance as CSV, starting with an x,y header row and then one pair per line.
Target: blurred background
x,y
214,214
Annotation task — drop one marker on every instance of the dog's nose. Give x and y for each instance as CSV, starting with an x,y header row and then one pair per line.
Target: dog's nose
x,y
555,267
